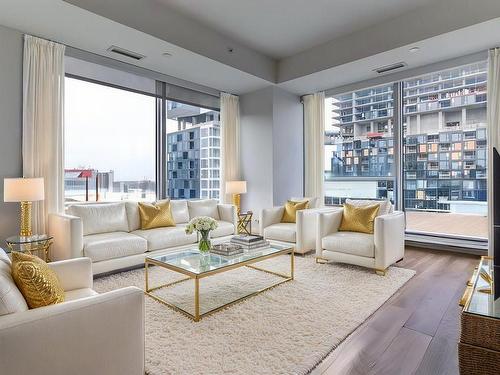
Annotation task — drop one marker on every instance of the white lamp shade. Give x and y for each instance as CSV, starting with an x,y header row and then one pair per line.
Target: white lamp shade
x,y
236,187
23,189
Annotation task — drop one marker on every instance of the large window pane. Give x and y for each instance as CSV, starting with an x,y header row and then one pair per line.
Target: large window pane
x,y
110,144
445,152
359,145
193,152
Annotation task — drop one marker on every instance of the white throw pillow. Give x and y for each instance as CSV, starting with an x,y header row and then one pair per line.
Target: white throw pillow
x,y
11,299
133,217
101,218
385,206
205,207
180,211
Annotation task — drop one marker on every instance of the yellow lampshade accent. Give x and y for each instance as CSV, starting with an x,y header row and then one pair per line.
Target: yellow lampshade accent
x,y
38,284
236,187
291,208
156,215
23,189
359,218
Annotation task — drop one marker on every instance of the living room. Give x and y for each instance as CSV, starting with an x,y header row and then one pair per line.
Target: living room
x,y
249,187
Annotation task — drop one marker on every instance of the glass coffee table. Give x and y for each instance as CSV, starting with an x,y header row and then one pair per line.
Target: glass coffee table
x,y
197,266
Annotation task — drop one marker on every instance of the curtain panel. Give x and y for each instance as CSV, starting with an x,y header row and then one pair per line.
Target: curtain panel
x,y
493,121
230,151
43,133
314,148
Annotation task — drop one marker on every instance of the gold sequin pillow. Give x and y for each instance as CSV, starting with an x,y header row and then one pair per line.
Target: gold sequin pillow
x,y
156,215
38,284
291,208
359,218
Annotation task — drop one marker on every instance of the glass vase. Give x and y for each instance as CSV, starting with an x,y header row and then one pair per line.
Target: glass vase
x,y
204,244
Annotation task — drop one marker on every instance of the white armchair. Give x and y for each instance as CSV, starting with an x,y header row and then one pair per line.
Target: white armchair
x,y
378,250
302,233
89,333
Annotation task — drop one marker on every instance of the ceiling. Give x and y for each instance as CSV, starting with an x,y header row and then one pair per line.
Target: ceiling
x,y
302,46
281,28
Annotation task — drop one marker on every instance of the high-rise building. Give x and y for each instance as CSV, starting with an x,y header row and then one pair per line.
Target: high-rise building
x,y
444,146
193,154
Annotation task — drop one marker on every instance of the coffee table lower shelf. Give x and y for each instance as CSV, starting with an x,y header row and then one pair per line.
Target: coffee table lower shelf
x,y
197,277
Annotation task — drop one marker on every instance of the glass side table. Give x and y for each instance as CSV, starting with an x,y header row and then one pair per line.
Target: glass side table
x,y
245,222
38,244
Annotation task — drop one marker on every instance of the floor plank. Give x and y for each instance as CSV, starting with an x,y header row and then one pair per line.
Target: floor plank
x,y
421,321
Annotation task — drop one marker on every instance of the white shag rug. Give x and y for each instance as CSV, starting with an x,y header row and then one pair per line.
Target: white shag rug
x,y
288,329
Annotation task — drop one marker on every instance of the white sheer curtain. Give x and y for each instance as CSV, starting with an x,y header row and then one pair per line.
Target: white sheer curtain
x,y
493,129
43,137
230,130
314,148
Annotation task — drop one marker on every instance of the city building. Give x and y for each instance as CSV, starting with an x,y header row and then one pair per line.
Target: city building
x,y
444,142
193,154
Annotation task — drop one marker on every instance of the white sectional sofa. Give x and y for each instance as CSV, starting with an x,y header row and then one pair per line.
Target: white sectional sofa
x,y
110,235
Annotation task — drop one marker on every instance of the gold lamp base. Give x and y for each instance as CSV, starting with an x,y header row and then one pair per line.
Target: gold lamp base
x,y
25,220
236,202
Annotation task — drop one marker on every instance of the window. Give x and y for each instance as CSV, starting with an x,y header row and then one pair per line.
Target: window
x,y
443,157
109,143
198,130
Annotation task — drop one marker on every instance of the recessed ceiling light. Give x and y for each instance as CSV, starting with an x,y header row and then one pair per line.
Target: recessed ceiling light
x,y
414,49
166,54
230,49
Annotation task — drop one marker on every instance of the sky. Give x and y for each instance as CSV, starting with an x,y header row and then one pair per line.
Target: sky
x,y
109,129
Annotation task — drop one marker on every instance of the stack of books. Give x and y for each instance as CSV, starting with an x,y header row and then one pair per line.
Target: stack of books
x,y
250,242
226,249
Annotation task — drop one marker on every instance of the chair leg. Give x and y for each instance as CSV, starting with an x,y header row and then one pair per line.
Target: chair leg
x,y
380,272
320,260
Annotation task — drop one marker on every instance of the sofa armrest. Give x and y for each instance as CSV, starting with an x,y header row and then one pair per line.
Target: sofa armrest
x,y
328,223
389,233
74,273
307,228
228,212
269,216
67,231
103,334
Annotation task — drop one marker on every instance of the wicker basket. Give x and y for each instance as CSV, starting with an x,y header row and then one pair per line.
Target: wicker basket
x,y
480,331
475,360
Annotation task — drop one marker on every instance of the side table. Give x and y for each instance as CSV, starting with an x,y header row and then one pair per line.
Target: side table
x,y
38,244
245,222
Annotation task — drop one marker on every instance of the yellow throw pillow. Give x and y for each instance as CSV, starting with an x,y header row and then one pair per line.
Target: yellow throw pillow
x,y
291,208
37,282
156,215
359,218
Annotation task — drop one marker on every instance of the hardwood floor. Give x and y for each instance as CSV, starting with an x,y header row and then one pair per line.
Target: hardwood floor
x,y
416,330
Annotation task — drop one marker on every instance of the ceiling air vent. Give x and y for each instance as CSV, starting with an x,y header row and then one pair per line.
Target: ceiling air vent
x,y
126,53
388,68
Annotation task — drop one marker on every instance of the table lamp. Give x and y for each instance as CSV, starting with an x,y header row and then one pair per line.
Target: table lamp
x,y
24,190
236,188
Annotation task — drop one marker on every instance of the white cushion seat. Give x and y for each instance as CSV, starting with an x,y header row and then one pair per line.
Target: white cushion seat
x,y
11,299
73,295
281,232
103,246
360,244
224,228
161,238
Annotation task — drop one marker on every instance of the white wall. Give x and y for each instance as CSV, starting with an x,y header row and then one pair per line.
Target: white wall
x,y
11,44
271,147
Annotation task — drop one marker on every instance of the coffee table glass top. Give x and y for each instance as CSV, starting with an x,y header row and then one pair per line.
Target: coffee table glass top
x,y
192,261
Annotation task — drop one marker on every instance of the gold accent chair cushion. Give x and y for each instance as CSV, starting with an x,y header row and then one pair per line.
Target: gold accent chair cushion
x,y
359,218
37,282
291,208
156,215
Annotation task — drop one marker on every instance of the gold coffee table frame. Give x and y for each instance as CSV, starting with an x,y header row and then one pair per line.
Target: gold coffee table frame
x,y
196,277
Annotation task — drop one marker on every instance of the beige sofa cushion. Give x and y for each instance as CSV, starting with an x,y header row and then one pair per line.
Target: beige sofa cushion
x,y
75,294
385,206
105,246
11,299
101,218
224,228
205,207
313,201
354,243
180,211
133,217
281,232
162,238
